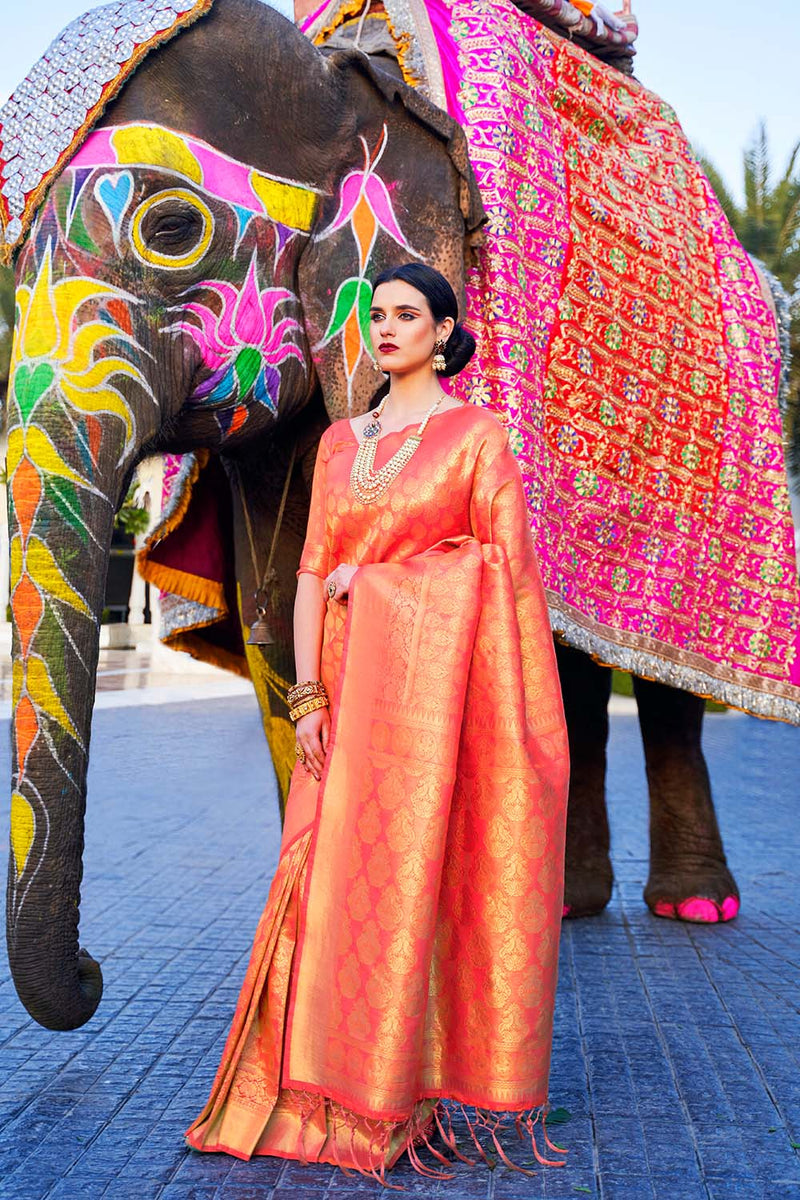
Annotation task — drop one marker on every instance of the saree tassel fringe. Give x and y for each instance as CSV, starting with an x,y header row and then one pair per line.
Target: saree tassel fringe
x,y
449,1138
494,1122
530,1121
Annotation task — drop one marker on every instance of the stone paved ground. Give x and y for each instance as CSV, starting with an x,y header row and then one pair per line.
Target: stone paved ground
x,y
676,1051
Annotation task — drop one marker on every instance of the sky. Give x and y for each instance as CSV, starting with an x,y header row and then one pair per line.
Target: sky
x,y
720,68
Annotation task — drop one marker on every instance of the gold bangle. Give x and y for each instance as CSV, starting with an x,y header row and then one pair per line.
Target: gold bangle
x,y
308,706
310,687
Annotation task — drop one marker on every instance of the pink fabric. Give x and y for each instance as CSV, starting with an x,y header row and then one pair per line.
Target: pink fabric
x,y
625,342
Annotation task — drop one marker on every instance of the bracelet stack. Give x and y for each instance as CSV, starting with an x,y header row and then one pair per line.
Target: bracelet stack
x,y
306,697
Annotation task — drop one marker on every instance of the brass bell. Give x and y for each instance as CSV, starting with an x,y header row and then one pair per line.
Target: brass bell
x,y
260,631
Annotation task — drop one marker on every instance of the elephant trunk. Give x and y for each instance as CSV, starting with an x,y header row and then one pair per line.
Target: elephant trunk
x,y
59,565
72,442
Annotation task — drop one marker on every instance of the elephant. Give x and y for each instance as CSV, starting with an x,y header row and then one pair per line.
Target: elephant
x,y
169,299
689,878
194,283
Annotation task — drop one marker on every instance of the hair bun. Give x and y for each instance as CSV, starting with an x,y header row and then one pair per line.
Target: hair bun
x,y
459,349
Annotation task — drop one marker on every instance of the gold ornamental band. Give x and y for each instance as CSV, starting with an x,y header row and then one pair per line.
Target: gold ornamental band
x,y
308,706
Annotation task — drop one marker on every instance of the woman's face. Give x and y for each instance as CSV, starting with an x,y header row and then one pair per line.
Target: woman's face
x,y
402,327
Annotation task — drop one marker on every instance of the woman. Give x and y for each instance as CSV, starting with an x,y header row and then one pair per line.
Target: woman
x,y
408,949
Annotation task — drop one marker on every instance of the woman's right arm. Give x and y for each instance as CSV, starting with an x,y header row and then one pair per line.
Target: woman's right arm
x,y
312,730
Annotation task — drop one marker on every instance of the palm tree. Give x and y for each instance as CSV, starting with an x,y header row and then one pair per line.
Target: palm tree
x,y
768,226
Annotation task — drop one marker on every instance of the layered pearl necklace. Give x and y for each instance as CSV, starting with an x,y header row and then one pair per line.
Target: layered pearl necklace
x,y
369,485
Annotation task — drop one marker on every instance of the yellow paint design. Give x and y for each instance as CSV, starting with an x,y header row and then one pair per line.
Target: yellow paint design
x,y
41,327
23,827
46,312
46,573
15,563
40,688
85,340
17,680
106,400
41,452
144,145
152,257
292,206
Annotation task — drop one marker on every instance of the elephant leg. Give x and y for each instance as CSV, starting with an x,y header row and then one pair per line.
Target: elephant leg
x,y
586,688
689,877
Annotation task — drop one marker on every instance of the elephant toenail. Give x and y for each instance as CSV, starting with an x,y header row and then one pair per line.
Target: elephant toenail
x,y
730,907
663,908
700,910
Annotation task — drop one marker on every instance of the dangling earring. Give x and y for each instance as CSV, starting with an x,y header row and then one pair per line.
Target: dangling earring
x,y
438,363
375,367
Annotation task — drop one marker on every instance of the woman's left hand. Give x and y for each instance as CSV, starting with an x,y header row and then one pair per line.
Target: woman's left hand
x,y
337,584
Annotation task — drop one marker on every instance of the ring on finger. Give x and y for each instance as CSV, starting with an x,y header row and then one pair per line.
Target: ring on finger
x,y
331,589
300,752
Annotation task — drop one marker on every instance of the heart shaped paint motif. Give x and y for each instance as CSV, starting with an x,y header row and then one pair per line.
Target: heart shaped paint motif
x,y
30,384
113,193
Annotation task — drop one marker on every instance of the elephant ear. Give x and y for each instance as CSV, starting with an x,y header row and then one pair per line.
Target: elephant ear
x,y
403,191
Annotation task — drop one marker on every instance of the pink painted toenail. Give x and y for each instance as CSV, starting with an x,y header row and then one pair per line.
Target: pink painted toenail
x,y
663,908
730,907
566,910
697,909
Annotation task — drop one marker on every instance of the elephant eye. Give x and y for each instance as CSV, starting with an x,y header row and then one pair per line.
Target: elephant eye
x,y
172,229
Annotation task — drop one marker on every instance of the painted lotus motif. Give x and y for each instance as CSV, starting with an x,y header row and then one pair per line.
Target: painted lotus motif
x,y
365,203
243,344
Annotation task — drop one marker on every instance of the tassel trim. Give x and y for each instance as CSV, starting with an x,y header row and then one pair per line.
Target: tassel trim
x,y
383,1142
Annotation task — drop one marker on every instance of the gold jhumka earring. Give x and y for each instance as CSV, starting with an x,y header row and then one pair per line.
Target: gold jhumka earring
x,y
438,363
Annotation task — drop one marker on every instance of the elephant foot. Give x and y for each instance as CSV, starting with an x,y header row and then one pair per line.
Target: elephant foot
x,y
587,889
707,899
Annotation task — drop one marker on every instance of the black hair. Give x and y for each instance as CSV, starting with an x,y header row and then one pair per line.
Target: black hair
x,y
460,346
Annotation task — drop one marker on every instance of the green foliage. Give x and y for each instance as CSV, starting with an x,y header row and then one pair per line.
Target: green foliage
x,y
6,324
768,226
132,517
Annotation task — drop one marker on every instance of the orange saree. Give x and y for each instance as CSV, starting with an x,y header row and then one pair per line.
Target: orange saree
x,y
408,949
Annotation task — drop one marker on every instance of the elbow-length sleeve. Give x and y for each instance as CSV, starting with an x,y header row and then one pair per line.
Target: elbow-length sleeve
x,y
314,559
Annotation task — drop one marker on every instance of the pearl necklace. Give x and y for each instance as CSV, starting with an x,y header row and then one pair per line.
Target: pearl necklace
x,y
369,485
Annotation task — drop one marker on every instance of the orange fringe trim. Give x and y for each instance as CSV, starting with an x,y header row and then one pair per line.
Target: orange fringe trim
x,y
402,41
34,198
206,652
209,592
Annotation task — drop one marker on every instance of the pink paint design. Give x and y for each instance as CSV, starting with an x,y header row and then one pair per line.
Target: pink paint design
x,y
698,910
368,187
96,151
243,345
223,177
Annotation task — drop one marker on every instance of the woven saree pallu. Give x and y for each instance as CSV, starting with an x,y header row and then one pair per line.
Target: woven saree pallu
x,y
625,341
408,949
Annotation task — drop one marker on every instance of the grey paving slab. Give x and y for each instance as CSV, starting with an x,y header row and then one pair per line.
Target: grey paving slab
x,y
676,1046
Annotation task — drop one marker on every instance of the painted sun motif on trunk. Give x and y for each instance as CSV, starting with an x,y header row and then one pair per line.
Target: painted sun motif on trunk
x,y
243,345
